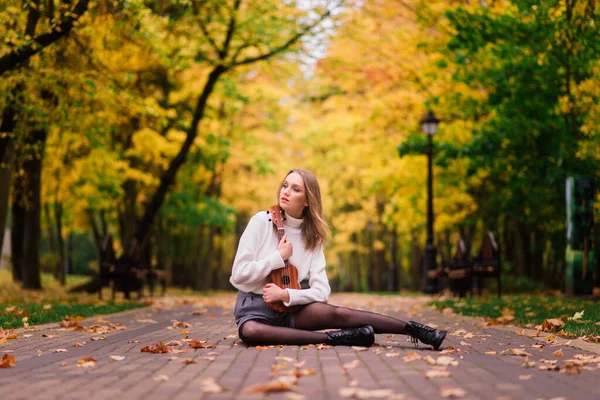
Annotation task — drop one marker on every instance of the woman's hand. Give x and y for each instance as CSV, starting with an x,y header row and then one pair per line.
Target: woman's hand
x,y
273,293
285,248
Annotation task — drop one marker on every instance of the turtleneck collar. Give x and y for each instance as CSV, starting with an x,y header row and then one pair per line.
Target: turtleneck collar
x,y
293,222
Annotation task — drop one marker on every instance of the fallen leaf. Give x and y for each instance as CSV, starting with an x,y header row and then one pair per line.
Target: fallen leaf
x,y
78,345
516,352
50,336
572,368
188,361
305,372
550,325
98,338
429,360
578,315
286,359
525,377
438,373
411,356
558,353
449,350
179,324
463,343
445,361
183,332
147,321
490,352
351,365
452,392
358,393
160,378
591,338
527,363
359,348
87,362
159,348
282,384
7,361
27,335
117,358
210,358
60,351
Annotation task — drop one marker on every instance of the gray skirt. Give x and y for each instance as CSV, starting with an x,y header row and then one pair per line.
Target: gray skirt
x,y
251,306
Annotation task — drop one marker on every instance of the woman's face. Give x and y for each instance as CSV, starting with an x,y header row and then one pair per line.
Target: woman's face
x,y
292,196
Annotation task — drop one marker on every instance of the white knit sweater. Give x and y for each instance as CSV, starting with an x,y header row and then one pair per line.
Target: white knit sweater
x,y
257,256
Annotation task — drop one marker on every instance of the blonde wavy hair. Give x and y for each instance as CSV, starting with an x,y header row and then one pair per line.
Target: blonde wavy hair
x,y
314,227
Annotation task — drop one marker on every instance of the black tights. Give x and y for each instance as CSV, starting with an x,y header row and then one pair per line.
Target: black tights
x,y
314,317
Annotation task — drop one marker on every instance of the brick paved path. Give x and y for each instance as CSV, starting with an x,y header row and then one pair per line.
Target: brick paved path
x,y
382,371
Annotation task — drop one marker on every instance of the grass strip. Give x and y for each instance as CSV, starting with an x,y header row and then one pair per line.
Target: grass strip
x,y
531,310
12,315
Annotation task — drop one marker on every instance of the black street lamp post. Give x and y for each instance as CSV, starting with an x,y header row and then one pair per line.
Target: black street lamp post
x,y
429,124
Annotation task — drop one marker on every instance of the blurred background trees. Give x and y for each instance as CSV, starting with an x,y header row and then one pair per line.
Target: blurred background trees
x,y
170,123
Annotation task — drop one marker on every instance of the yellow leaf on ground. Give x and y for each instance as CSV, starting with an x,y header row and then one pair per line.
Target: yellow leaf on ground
x,y
525,377
87,362
452,392
558,353
359,348
117,358
282,384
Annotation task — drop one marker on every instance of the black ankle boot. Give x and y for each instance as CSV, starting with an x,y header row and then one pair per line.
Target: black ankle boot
x,y
425,334
363,336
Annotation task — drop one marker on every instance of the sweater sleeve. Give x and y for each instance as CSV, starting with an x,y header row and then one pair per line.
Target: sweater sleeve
x,y
247,269
317,279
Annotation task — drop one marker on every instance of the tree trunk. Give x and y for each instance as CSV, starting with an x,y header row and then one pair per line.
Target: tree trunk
x,y
32,231
7,156
61,243
416,262
17,231
51,241
198,261
168,177
69,255
537,257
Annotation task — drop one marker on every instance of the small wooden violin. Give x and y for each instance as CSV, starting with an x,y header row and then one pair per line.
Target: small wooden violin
x,y
286,277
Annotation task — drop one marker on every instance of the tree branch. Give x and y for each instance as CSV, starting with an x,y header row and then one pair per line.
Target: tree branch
x,y
284,46
13,59
230,30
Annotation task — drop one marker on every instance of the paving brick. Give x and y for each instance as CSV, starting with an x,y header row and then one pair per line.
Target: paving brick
x,y
236,366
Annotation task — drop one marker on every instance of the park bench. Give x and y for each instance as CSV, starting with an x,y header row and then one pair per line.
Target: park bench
x,y
458,270
127,273
487,264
